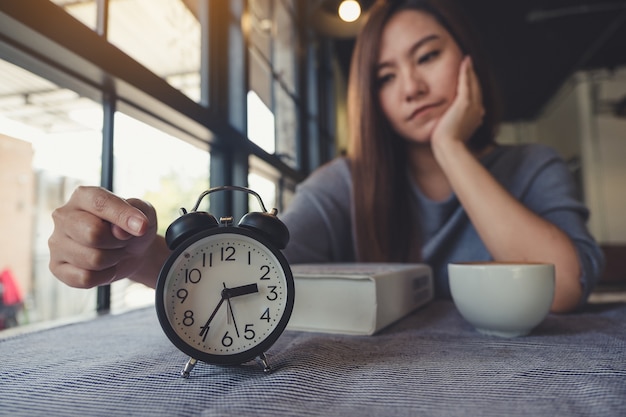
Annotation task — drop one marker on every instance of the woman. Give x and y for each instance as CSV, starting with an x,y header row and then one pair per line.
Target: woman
x,y
428,183
424,180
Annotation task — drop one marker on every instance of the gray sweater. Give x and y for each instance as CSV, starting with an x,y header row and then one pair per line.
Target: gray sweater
x,y
319,217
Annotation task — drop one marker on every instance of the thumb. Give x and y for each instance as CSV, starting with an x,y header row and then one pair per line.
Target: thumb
x,y
120,233
137,225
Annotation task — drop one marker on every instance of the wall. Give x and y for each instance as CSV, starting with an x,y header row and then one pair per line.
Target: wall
x,y
16,209
610,153
28,199
579,123
341,106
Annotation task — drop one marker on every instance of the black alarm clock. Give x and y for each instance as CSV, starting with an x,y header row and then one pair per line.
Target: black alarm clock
x,y
226,292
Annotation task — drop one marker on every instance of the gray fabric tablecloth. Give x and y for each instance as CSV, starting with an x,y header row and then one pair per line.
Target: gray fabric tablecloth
x,y
431,363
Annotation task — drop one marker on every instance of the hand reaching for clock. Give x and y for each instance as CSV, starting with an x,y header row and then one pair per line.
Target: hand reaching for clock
x,y
99,237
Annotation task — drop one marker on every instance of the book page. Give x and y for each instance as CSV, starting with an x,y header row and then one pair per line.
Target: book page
x,y
339,269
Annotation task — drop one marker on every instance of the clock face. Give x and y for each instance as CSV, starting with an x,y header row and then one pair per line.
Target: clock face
x,y
225,295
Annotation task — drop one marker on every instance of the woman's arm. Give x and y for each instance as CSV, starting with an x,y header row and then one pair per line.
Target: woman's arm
x,y
509,230
318,217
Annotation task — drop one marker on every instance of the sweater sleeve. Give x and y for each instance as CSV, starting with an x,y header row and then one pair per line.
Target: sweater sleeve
x,y
548,188
318,217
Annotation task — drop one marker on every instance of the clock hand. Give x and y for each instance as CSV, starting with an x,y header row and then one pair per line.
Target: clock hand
x,y
241,290
227,293
205,328
230,308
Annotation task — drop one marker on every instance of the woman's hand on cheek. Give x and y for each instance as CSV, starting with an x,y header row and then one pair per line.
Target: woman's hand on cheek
x,y
465,114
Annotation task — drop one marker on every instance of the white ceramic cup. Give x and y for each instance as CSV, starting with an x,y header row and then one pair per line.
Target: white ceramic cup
x,y
502,299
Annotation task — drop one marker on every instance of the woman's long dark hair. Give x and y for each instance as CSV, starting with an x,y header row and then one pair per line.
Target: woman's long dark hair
x,y
377,155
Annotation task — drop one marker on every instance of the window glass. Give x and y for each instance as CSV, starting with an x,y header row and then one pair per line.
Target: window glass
x,y
54,135
286,126
260,77
261,27
82,10
284,60
163,35
263,179
162,169
50,140
260,123
275,190
272,79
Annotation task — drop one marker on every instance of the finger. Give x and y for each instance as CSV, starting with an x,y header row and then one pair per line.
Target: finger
x,y
74,275
84,257
147,209
81,278
463,90
120,233
85,229
107,206
475,91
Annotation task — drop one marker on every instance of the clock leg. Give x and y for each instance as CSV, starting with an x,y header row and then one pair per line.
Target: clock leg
x,y
266,366
188,367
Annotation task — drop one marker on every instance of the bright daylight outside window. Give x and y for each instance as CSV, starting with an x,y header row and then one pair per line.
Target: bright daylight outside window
x,y
50,142
163,35
159,168
261,130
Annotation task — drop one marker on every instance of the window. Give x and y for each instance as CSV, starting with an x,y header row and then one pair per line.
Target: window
x,y
51,143
62,102
272,76
163,35
162,169
261,125
82,10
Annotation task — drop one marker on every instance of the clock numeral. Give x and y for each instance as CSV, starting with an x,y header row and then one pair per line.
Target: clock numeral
x,y
227,341
204,331
266,271
192,276
182,295
249,258
227,253
249,333
188,318
266,315
273,294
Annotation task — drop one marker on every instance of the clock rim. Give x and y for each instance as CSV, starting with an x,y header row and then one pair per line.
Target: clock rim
x,y
227,359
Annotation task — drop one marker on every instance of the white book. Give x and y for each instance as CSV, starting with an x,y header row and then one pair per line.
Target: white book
x,y
357,298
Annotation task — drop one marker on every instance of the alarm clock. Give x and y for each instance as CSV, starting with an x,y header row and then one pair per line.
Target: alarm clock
x,y
226,292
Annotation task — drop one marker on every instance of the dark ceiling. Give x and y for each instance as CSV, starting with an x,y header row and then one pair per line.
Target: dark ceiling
x,y
536,45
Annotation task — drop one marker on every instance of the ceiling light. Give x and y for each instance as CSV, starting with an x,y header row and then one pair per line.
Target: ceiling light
x,y
349,10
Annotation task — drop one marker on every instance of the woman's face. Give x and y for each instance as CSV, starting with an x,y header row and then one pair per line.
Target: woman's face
x,y
417,73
